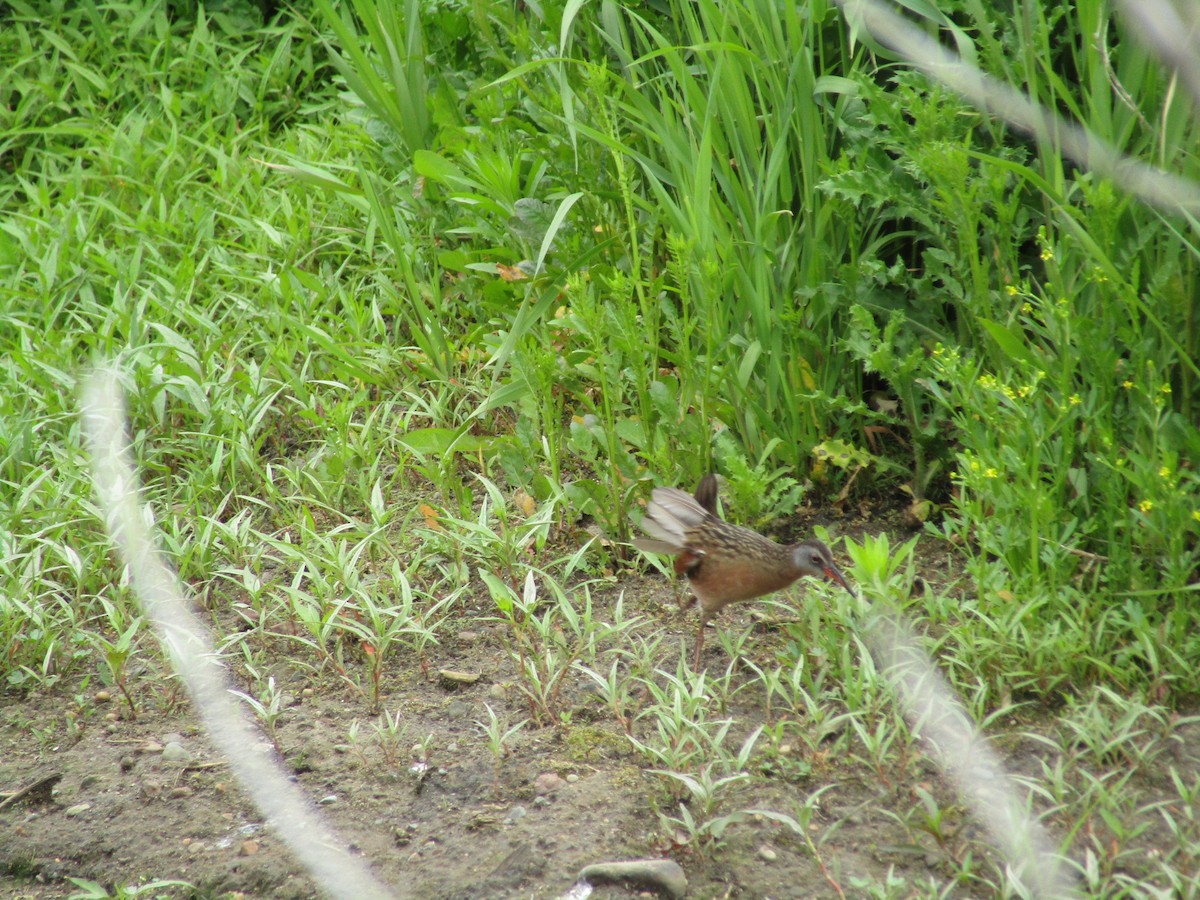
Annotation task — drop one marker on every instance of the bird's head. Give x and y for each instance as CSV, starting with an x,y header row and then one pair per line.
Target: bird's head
x,y
814,558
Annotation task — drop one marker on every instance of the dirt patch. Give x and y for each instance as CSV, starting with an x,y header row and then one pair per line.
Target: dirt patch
x,y
424,798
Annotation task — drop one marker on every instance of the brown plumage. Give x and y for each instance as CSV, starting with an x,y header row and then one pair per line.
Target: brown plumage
x,y
723,562
706,493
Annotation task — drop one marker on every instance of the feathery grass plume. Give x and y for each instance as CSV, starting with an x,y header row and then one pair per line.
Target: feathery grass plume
x,y
162,597
934,712
1172,37
1161,189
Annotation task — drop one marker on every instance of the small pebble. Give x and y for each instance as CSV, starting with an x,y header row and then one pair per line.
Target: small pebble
x,y
102,696
457,709
452,679
469,637
328,800
767,853
572,778
78,809
174,752
547,783
248,848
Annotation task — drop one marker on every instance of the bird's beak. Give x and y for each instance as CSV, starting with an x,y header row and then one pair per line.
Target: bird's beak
x,y
833,574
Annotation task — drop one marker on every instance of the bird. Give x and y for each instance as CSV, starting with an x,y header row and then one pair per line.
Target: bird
x,y
725,563
706,493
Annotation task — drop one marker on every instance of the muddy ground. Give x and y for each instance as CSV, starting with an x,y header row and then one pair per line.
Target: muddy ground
x,y
122,813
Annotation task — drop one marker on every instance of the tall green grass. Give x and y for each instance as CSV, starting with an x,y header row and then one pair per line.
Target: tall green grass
x,y
621,248
381,365
785,219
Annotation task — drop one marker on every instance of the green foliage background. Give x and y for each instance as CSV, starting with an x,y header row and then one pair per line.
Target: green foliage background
x,y
349,256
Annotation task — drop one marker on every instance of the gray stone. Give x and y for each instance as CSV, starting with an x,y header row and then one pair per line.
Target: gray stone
x,y
175,752
517,812
547,783
457,709
452,678
664,875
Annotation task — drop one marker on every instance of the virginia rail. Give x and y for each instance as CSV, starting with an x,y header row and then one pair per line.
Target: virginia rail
x,y
723,562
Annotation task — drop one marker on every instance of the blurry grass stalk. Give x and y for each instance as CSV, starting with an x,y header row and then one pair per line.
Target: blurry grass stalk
x,y
1073,388
1157,187
162,597
947,730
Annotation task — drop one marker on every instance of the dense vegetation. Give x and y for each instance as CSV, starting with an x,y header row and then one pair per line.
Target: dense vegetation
x,y
592,252
411,289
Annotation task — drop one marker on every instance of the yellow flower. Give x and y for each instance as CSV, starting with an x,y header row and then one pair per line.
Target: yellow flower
x,y
1164,472
1127,384
1146,505
1196,514
1047,254
991,473
1075,400
1012,290
1027,308
1166,389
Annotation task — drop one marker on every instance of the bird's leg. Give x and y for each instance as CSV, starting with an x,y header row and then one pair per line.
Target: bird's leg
x,y
705,615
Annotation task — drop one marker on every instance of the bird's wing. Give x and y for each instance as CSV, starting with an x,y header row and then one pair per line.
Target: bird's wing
x,y
655,546
670,515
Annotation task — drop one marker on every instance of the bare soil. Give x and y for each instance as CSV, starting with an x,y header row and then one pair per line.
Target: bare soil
x,y
466,828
